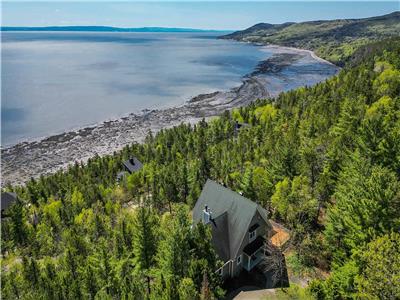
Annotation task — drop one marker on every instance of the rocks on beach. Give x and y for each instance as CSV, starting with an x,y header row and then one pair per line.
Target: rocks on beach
x,y
32,159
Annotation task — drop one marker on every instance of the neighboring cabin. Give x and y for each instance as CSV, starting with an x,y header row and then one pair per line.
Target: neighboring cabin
x,y
238,227
7,199
130,166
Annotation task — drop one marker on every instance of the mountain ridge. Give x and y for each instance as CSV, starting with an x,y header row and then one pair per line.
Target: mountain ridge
x,y
334,40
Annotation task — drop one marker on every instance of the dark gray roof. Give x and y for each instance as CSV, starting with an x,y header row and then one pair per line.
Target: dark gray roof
x,y
220,236
132,164
7,199
239,211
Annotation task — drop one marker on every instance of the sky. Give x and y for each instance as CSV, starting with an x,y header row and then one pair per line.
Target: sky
x,y
221,15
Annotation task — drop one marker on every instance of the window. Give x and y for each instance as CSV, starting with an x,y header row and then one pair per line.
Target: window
x,y
239,260
253,232
252,236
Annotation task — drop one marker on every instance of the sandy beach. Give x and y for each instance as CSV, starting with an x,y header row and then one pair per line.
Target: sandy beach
x,y
274,75
278,49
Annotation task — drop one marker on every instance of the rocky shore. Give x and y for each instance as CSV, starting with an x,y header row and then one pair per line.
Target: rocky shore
x,y
272,76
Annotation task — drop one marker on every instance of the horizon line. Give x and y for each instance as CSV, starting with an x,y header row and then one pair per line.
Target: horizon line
x,y
105,27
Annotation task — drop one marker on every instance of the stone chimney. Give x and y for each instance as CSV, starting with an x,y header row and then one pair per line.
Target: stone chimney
x,y
206,215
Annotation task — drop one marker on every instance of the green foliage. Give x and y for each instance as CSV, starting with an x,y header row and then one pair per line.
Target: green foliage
x,y
173,254
373,272
387,83
294,202
335,40
187,290
340,284
294,292
380,268
18,226
366,206
297,265
144,240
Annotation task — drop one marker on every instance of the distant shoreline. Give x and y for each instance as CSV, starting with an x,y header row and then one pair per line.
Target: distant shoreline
x,y
39,157
312,53
106,29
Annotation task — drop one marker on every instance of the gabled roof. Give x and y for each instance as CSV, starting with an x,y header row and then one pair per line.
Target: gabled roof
x,y
239,213
133,164
7,199
220,236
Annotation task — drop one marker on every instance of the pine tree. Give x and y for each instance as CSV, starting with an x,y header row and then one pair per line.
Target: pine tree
x,y
187,290
144,241
380,268
173,254
18,223
367,202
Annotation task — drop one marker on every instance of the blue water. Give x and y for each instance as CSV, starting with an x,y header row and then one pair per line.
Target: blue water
x,y
57,81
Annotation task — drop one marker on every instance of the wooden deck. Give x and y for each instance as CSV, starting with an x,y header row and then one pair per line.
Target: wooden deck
x,y
280,235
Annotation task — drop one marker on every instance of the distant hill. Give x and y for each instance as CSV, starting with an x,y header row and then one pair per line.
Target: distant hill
x,y
104,29
334,40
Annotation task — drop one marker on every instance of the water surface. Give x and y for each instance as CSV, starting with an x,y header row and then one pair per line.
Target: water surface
x,y
57,81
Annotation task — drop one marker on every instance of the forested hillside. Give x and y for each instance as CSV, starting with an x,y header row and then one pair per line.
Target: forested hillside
x,y
334,40
323,160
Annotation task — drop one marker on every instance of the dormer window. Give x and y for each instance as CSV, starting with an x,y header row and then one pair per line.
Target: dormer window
x,y
253,232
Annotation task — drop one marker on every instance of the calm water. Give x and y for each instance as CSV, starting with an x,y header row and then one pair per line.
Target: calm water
x,y
52,82
58,81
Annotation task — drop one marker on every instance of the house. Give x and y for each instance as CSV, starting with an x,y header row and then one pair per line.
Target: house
x,y
132,165
7,199
238,227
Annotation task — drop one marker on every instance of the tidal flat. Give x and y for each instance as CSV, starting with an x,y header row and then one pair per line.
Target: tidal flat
x,y
283,69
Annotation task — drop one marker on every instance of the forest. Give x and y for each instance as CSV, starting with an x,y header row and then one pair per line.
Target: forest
x,y
333,40
323,160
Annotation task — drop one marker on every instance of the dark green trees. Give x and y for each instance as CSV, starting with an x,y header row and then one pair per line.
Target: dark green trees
x,y
144,243
367,201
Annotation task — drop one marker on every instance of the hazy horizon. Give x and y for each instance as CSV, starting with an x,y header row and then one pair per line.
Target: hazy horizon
x,y
204,15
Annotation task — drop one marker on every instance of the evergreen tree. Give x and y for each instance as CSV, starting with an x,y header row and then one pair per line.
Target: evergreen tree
x,y
145,241
187,290
367,202
380,268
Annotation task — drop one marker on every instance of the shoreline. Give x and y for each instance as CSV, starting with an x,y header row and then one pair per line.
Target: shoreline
x,y
312,53
44,156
